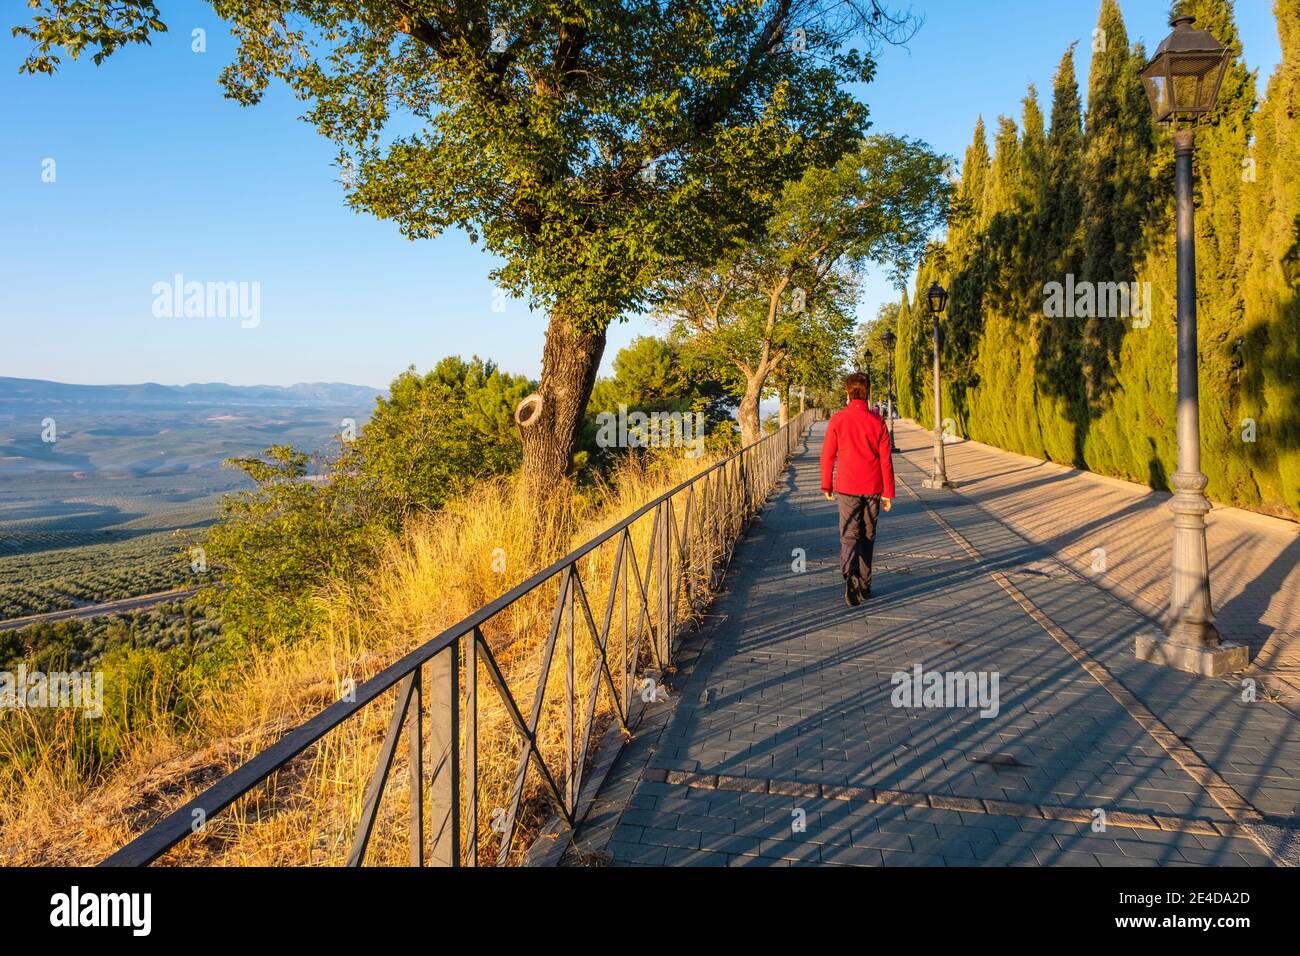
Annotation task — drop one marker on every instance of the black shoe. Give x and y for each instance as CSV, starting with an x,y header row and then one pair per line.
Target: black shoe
x,y
864,591
852,597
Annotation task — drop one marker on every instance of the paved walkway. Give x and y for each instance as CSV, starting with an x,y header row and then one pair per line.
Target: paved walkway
x,y
780,744
1074,514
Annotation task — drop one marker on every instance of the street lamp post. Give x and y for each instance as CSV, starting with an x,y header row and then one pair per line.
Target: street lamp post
x,y
936,299
867,356
889,339
1182,82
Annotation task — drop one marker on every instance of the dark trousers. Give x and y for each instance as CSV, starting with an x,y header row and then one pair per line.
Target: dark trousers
x,y
858,514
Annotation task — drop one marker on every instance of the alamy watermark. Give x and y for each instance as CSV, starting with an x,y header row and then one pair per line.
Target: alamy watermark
x,y
179,299
36,689
1098,300
133,911
624,429
959,689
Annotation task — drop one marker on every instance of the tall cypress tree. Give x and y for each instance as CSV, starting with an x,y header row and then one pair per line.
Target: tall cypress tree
x,y
1061,227
1030,267
1116,188
964,272
1000,378
1033,159
968,206
1269,369
1063,200
909,365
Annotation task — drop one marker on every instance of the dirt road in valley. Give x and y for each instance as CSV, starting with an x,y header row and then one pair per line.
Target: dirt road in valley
x,y
138,603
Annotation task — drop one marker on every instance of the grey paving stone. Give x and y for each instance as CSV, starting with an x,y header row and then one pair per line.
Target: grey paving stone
x,y
705,824
1059,857
631,853
900,858
650,818
882,841
679,856
967,834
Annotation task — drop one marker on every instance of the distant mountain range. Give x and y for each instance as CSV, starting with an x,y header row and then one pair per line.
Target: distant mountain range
x,y
15,392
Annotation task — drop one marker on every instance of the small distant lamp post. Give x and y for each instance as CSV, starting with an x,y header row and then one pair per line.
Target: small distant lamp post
x,y
936,299
867,356
889,339
1182,82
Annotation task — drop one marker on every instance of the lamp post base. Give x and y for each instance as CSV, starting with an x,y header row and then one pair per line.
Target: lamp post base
x,y
940,483
1207,661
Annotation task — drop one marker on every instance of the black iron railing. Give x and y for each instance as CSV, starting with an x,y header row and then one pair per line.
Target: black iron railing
x,y
692,531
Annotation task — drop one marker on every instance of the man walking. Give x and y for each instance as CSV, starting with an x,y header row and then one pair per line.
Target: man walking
x,y
856,453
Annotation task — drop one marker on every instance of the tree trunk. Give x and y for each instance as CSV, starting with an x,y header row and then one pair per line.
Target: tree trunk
x,y
550,420
751,428
783,393
802,397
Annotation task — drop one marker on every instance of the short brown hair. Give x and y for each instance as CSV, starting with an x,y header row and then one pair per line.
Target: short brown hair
x,y
858,386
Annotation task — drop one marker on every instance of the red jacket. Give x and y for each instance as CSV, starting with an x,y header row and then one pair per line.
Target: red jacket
x,y
856,449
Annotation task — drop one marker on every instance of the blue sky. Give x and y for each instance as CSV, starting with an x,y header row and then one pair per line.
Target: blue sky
x,y
157,174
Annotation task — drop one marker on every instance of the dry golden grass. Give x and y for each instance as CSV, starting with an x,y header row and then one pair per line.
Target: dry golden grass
x,y
439,571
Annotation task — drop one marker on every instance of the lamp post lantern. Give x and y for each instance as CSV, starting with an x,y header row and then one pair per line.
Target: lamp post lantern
x,y
1182,82
936,300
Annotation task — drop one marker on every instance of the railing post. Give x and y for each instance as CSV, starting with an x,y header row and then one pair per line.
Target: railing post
x,y
570,778
744,487
665,587
415,743
471,746
444,753
627,667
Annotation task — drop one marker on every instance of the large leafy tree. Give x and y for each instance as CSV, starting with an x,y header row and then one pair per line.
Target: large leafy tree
x,y
758,307
654,374
434,435
585,143
277,542
818,352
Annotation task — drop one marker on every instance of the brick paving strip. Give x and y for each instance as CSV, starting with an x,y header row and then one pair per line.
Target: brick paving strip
x,y
781,707
1002,808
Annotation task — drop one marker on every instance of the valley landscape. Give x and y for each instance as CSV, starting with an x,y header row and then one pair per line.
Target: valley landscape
x,y
109,507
